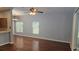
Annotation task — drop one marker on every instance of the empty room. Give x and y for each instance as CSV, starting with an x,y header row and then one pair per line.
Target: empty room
x,y
39,28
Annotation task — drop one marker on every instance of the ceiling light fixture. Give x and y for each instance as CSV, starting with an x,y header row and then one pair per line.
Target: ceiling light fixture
x,y
32,13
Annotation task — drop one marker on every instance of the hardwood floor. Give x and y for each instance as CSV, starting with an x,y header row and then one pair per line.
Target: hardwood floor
x,y
34,44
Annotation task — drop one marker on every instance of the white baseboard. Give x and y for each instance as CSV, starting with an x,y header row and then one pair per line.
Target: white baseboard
x,y
5,43
42,38
11,42
71,47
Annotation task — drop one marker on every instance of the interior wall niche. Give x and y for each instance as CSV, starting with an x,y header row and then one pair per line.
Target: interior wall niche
x,y
3,24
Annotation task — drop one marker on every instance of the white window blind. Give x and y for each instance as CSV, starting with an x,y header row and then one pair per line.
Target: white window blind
x,y
35,26
19,26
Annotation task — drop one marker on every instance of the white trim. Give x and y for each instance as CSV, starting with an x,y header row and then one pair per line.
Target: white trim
x,y
11,42
73,43
42,38
5,43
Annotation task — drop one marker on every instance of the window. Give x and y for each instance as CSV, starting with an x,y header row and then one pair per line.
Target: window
x,y
35,26
19,26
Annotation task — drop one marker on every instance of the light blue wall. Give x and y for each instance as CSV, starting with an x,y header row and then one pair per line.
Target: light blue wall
x,y
53,26
4,38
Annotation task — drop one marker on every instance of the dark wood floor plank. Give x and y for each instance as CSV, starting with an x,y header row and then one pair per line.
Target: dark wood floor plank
x,y
34,44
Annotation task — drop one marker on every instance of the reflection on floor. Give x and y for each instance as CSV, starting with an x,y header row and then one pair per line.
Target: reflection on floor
x,y
34,44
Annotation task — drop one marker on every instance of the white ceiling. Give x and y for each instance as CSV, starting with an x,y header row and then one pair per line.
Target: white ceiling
x,y
23,10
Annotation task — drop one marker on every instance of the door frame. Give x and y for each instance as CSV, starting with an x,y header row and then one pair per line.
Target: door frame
x,y
74,31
